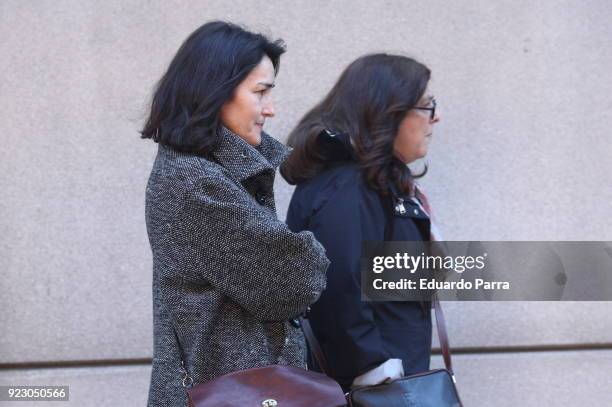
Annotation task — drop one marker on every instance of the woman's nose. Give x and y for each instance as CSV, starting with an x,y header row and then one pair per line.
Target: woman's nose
x,y
268,109
437,117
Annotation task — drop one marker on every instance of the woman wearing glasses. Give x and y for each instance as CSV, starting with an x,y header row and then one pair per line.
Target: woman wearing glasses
x,y
349,159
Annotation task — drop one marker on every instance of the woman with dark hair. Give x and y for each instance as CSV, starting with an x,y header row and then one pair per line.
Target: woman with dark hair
x,y
229,278
349,162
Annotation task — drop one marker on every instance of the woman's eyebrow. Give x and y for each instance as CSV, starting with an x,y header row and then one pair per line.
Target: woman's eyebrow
x,y
267,84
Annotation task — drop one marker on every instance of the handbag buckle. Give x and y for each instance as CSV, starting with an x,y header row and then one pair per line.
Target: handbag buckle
x,y
269,403
187,380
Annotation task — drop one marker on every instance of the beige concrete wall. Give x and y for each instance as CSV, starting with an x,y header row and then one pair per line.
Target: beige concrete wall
x,y
522,153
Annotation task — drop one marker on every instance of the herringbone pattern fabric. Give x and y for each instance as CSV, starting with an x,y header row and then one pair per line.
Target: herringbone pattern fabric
x,y
227,274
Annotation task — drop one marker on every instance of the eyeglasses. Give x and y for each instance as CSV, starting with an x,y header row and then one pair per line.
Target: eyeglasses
x,y
432,109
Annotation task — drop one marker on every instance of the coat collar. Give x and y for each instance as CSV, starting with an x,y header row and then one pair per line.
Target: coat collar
x,y
243,160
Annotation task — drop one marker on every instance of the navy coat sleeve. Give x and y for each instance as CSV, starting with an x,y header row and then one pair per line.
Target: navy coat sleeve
x,y
342,215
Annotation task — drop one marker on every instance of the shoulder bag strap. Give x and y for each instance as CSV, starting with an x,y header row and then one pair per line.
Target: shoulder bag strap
x,y
389,208
313,344
187,380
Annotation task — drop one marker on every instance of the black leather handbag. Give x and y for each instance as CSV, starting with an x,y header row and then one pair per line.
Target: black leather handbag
x,y
434,388
426,389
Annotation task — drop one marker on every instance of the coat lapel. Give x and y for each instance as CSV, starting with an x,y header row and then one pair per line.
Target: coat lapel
x,y
244,161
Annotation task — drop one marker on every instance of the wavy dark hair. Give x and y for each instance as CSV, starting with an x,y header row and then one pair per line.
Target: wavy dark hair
x,y
202,76
367,105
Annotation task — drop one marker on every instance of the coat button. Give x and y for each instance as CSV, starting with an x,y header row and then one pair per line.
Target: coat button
x,y
296,323
416,211
260,197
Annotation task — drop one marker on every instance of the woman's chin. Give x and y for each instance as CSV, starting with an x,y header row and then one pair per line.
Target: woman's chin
x,y
253,138
257,140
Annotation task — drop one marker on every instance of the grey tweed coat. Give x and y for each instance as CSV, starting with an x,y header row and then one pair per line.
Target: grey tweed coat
x,y
227,274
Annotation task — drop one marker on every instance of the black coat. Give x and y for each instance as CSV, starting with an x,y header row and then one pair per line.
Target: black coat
x,y
356,336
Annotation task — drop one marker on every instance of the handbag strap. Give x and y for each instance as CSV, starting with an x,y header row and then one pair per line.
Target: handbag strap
x,y
187,380
313,344
389,209
319,356
443,336
312,341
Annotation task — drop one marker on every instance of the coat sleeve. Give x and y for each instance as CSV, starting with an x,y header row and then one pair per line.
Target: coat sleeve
x,y
343,322
226,239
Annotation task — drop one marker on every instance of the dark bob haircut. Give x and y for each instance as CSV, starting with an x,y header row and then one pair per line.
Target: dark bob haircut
x,y
366,105
202,76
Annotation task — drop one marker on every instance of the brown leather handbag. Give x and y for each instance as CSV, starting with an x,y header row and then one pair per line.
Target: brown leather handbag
x,y
270,386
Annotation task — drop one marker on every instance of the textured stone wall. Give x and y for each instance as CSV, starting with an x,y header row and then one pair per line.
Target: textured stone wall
x,y
522,153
